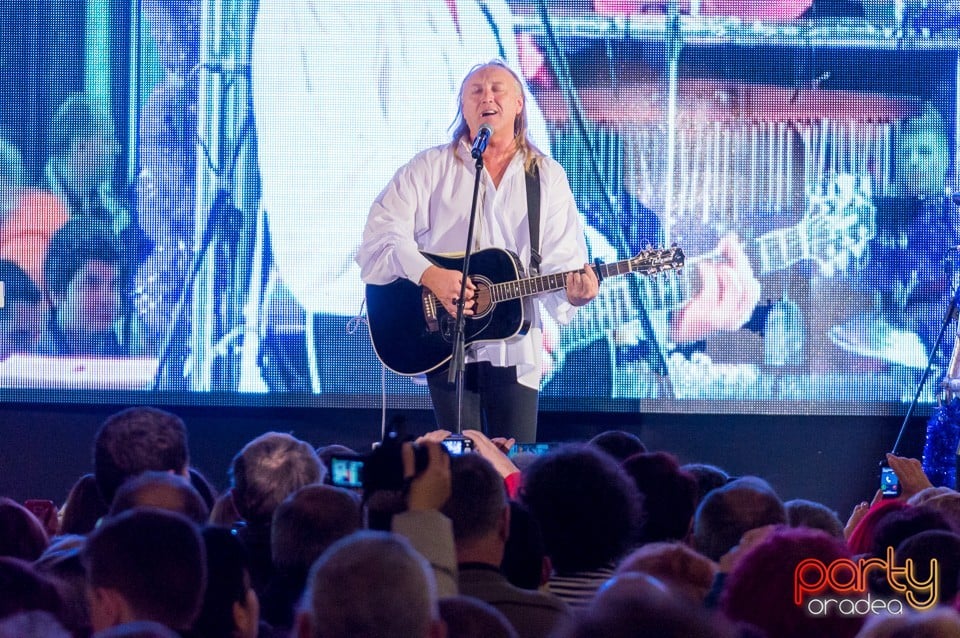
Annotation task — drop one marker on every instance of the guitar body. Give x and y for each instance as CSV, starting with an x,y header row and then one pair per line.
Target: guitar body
x,y
412,333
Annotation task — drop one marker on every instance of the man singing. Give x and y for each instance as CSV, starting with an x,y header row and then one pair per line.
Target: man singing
x,y
426,207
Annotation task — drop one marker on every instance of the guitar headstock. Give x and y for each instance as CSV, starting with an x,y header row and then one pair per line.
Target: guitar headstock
x,y
652,261
839,223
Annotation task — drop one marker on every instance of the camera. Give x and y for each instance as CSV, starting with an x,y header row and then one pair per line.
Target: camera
x,y
381,469
457,445
346,471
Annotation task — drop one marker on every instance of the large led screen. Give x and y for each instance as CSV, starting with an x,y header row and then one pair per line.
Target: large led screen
x,y
182,211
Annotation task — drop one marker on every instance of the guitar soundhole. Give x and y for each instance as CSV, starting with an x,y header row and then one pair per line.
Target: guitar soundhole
x,y
483,303
483,306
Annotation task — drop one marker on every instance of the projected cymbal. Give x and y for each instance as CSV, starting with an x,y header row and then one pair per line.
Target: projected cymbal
x,y
873,337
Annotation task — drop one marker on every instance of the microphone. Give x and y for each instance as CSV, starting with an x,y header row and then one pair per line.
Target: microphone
x,y
480,141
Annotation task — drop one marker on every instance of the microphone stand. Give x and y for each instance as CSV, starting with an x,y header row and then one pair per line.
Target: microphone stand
x,y
557,60
947,318
222,229
221,222
457,361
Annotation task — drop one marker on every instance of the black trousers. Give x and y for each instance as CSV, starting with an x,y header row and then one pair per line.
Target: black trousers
x,y
493,402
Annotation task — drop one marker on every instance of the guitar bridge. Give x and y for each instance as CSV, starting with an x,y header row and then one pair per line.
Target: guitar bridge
x,y
429,302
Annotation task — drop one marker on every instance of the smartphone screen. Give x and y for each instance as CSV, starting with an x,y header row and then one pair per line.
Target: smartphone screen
x,y
889,482
346,472
458,445
531,448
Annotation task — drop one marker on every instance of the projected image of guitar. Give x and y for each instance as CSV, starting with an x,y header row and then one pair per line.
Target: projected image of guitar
x,y
412,333
834,233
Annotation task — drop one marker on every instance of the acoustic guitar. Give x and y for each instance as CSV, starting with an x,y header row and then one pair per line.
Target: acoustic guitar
x,y
412,333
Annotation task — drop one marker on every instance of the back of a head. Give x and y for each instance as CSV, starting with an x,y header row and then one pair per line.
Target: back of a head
x,y
204,487
141,554
813,515
228,583
370,584
83,508
708,477
62,563
524,552
928,493
477,498
947,504
270,468
472,618
224,512
21,534
308,522
900,525
639,606
936,545
161,490
860,540
937,623
669,496
687,572
138,440
618,444
730,511
587,507
760,588
22,588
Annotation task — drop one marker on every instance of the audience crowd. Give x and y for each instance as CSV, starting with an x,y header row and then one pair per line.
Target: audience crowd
x,y
603,538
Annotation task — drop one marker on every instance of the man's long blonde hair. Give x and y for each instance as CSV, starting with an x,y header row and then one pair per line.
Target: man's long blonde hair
x,y
531,154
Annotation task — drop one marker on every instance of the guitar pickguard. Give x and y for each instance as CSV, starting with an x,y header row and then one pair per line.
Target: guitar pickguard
x,y
473,326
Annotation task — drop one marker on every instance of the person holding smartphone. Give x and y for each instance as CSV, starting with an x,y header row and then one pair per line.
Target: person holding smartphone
x,y
897,473
909,475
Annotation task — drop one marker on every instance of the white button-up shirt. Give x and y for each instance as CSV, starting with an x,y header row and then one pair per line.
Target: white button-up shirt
x,y
426,207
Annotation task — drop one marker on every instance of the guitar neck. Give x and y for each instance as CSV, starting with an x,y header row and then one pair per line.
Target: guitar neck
x,y
779,249
530,286
773,251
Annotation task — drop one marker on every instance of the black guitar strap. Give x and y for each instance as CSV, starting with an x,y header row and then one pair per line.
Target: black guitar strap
x,y
533,216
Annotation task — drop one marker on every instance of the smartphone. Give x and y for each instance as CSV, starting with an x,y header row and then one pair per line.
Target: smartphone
x,y
346,471
889,482
531,448
42,508
457,445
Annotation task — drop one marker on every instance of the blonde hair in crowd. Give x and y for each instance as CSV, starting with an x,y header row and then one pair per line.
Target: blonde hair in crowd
x,y
531,154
